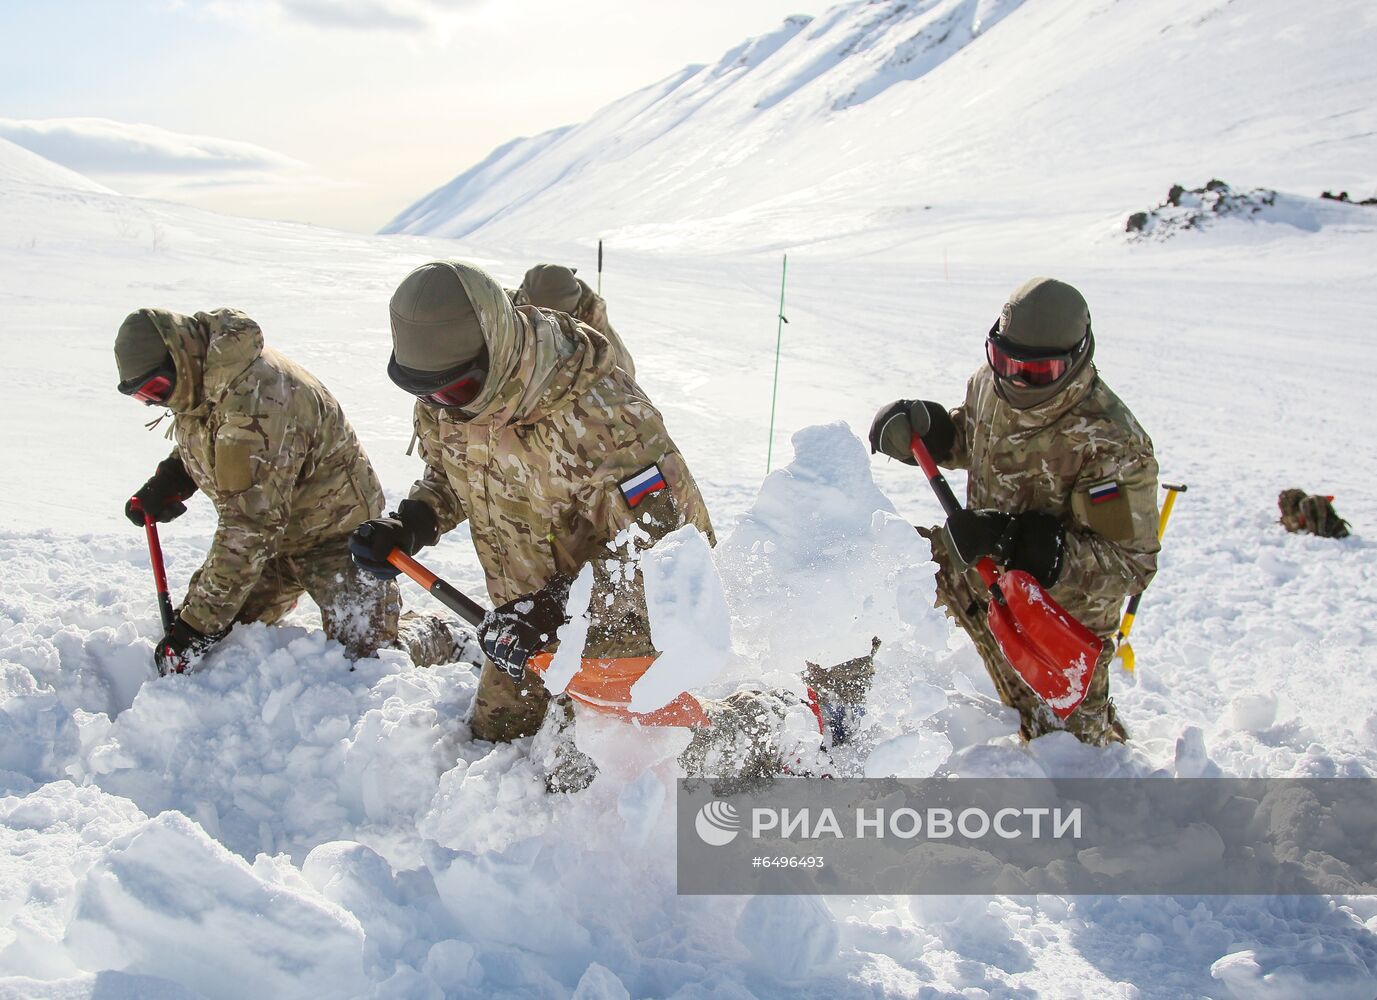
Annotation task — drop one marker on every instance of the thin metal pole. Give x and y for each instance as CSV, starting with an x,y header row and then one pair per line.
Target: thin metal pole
x,y
599,267
779,341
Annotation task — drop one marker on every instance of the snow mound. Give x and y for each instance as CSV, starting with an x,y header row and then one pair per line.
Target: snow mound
x,y
820,564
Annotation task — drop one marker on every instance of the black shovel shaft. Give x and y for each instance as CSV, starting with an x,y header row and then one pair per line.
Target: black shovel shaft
x,y
939,483
462,605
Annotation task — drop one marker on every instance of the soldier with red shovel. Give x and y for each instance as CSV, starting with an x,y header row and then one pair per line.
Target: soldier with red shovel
x,y
1060,523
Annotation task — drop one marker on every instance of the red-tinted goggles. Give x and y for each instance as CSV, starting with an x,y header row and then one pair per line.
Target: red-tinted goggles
x,y
1011,362
153,389
460,392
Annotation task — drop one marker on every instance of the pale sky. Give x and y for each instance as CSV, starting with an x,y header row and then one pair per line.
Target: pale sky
x,y
336,112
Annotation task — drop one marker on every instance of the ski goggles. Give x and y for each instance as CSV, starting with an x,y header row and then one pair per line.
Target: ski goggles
x,y
454,388
154,388
1027,365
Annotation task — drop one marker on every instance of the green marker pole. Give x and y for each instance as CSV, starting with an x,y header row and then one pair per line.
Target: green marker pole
x,y
599,267
779,341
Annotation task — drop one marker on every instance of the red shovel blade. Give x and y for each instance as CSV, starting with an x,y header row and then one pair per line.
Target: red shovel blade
x,y
1053,653
604,684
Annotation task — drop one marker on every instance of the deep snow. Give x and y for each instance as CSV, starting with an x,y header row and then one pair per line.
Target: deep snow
x,y
279,826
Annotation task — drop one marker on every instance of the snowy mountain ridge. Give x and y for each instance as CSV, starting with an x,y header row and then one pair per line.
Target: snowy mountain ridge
x,y
805,69
881,126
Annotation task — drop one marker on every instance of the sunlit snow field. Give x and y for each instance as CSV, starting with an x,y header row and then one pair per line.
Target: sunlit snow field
x,y
278,826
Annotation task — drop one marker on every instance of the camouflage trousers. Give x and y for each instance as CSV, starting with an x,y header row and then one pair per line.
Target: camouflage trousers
x,y
506,710
361,612
1094,722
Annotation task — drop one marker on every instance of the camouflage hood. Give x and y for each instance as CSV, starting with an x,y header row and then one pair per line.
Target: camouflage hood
x,y
538,360
207,363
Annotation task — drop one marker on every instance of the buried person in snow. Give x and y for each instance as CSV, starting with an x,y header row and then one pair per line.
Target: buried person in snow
x,y
1062,484
553,286
271,448
533,433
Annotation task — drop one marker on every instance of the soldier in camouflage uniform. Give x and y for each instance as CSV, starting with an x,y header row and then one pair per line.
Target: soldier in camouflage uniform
x,y
1062,482
534,434
271,448
552,286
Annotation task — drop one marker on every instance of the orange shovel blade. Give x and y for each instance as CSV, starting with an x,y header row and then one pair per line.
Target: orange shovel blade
x,y
1053,653
605,686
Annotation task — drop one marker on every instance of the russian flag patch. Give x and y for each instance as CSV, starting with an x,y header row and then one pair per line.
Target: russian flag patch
x,y
1104,492
649,480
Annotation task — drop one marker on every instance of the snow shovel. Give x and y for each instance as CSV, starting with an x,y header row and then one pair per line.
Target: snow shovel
x,y
603,684
1054,654
155,556
1125,650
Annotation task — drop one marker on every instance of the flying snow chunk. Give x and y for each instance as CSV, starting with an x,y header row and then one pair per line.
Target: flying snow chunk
x,y
689,620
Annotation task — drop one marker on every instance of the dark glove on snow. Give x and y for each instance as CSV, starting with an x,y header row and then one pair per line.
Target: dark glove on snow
x,y
1038,545
895,424
1031,541
161,497
410,528
512,632
180,647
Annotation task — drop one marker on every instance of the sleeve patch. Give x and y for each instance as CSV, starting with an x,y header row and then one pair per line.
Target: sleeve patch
x,y
1108,514
636,488
232,470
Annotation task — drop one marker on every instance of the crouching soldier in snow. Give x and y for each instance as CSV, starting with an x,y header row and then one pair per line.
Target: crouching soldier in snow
x,y
1057,465
271,448
552,286
534,434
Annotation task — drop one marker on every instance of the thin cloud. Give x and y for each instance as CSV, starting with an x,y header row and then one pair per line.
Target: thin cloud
x,y
405,16
148,160
99,145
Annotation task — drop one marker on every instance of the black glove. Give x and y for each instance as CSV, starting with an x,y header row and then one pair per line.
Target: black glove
x,y
1031,541
511,632
161,497
895,424
180,647
410,528
1038,546
976,533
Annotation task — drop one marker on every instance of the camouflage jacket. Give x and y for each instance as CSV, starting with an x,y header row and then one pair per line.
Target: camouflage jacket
x,y
1082,457
539,471
592,310
271,448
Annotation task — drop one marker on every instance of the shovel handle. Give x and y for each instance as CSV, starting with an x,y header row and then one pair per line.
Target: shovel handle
x,y
463,606
936,480
155,556
951,506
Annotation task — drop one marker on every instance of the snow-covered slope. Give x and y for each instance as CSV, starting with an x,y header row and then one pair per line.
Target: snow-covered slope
x,y
882,127
19,167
